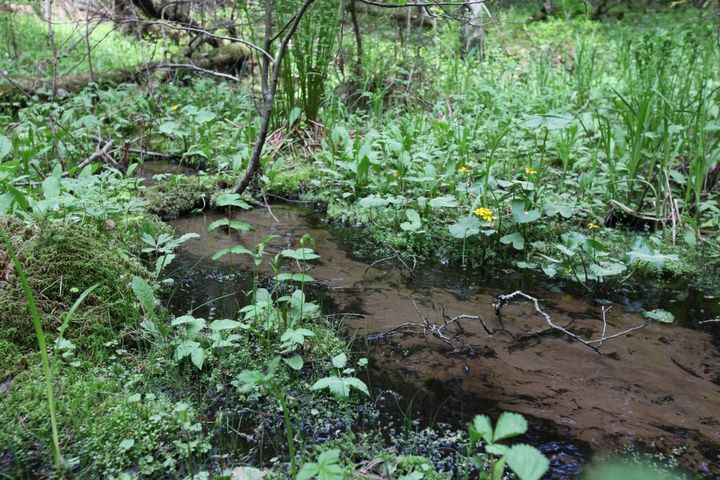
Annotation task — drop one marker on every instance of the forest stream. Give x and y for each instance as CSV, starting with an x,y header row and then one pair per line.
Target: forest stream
x,y
658,386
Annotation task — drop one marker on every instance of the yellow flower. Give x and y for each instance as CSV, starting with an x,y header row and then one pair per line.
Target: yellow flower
x,y
463,170
174,107
593,226
396,174
484,213
530,171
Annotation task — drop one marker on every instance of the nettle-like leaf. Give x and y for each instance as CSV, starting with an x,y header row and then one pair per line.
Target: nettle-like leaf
x,y
294,277
295,362
301,254
340,386
234,224
225,324
509,425
527,462
326,467
465,227
481,429
193,350
192,325
293,338
5,147
144,293
339,361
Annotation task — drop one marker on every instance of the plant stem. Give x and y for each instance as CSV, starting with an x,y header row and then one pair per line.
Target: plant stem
x,y
57,457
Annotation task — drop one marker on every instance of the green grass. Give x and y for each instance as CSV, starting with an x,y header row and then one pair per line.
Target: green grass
x,y
25,50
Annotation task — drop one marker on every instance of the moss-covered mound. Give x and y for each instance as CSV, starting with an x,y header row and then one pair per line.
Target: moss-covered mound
x,y
62,261
182,194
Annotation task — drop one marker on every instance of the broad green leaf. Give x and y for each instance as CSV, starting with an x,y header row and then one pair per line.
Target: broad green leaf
x,y
520,215
465,227
300,254
527,462
231,200
126,445
413,222
339,361
295,362
448,201
295,277
373,201
509,425
517,240
238,250
219,325
234,224
607,269
193,325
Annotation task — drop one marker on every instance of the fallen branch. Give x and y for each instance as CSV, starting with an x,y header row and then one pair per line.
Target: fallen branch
x,y
595,344
440,331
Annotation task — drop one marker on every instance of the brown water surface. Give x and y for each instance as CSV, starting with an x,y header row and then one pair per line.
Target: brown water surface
x,y
657,385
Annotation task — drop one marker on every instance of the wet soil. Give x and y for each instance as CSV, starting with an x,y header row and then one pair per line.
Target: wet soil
x,y
658,386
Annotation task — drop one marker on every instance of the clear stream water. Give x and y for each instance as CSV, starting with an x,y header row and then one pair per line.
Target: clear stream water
x,y
659,385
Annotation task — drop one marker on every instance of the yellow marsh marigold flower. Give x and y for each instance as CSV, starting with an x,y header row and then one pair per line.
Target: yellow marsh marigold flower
x,y
174,107
593,226
530,171
484,213
463,170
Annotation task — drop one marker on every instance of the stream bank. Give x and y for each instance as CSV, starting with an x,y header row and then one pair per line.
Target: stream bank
x,y
658,386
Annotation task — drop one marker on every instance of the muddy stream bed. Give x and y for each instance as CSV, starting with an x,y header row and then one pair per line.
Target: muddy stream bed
x,y
656,386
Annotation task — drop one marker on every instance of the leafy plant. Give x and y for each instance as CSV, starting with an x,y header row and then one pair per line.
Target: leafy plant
x,y
527,462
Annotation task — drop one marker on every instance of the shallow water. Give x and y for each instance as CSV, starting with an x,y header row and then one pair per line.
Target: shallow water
x,y
657,385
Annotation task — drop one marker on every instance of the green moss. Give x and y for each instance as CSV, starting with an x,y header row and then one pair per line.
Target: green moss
x,y
61,262
107,426
181,194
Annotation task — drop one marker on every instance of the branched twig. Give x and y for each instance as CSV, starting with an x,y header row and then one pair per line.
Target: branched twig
x,y
440,331
595,344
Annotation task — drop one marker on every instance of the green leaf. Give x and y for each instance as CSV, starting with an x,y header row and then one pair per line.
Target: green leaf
x,y
373,201
552,209
325,468
295,277
5,147
295,362
238,250
234,224
465,227
509,425
448,201
219,325
607,269
413,222
517,240
193,325
527,462
301,254
231,200
520,215
144,293
198,357
659,315
247,473
126,445
481,428
339,361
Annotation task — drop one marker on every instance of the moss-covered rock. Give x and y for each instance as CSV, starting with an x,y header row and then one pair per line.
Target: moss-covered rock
x,y
182,194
